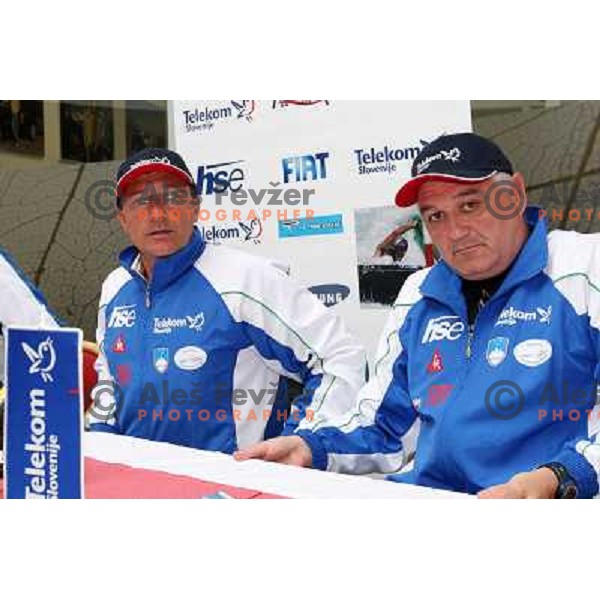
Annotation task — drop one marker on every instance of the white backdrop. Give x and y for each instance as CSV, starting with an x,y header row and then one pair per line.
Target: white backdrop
x,y
254,143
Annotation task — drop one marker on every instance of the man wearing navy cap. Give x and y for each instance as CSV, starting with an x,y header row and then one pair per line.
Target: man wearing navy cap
x,y
493,353
195,338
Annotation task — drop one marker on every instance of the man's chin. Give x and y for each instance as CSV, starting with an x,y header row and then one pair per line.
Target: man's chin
x,y
477,274
472,272
161,250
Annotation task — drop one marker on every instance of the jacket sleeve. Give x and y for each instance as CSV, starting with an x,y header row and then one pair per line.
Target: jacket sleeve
x,y
369,438
581,456
102,414
21,304
299,338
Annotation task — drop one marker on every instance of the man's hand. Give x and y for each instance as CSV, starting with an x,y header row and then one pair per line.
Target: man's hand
x,y
292,450
540,484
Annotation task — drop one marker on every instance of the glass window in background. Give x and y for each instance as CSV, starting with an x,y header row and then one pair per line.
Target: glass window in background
x,y
86,128
22,127
146,124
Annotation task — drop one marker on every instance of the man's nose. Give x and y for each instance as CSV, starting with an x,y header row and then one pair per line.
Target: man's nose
x,y
158,212
457,229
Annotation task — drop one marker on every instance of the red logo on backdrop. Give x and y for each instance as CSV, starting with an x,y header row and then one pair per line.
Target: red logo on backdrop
x,y
119,345
438,394
436,365
286,103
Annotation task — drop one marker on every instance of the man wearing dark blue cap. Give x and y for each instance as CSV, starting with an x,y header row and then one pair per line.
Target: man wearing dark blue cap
x,y
493,353
196,338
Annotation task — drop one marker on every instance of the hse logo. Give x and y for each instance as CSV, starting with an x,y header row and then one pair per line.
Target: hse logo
x,y
204,119
323,225
240,231
383,160
287,103
308,167
122,316
219,178
167,324
511,316
448,327
42,360
330,294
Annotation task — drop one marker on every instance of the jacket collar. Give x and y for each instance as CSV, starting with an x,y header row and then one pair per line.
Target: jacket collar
x,y
170,268
444,285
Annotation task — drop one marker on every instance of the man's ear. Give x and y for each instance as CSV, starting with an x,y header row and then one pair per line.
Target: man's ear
x,y
122,218
195,212
520,181
196,199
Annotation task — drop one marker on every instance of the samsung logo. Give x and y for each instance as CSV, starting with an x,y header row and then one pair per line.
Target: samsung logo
x,y
330,294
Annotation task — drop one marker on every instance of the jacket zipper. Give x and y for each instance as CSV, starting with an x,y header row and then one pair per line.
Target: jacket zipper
x,y
470,336
471,330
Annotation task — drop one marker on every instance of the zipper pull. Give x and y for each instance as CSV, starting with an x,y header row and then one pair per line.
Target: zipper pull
x,y
469,340
147,296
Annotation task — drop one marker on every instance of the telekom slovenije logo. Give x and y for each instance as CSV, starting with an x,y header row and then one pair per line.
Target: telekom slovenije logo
x,y
44,414
42,360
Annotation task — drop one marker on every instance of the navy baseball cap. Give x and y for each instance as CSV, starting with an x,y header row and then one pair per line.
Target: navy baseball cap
x,y
460,157
151,160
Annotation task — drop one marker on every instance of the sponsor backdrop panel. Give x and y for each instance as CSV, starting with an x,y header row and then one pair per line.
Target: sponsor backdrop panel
x,y
265,167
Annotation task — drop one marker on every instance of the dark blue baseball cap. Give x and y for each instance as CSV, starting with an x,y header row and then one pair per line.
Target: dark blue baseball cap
x,y
151,160
460,158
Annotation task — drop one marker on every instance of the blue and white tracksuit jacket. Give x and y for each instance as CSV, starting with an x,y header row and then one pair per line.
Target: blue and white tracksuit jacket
x,y
21,304
508,395
202,346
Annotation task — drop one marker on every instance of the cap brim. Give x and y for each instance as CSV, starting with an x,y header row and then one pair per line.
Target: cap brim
x,y
407,195
152,168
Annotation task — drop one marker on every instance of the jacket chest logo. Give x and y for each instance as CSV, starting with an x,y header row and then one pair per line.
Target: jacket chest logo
x,y
160,358
168,324
447,327
497,351
119,346
511,316
533,353
122,316
436,365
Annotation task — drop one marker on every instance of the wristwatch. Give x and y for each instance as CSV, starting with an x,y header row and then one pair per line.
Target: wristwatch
x,y
567,486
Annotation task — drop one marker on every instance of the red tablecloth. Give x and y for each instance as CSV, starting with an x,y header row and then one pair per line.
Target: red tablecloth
x,y
108,480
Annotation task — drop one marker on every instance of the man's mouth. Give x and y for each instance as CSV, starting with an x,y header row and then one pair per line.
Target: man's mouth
x,y
160,233
467,249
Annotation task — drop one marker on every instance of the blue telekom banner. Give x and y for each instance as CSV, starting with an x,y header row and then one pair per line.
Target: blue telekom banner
x,y
44,414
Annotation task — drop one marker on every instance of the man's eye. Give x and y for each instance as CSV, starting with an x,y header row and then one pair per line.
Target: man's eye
x,y
434,217
470,206
145,200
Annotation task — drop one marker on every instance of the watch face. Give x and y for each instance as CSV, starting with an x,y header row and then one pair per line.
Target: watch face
x,y
568,491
